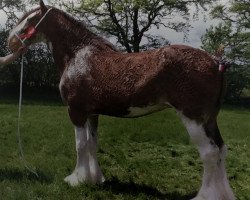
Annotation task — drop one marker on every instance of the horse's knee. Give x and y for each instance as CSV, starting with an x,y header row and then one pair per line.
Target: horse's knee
x,y
81,138
77,117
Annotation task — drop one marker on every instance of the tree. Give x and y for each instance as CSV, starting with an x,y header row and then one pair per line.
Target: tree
x,y
130,20
234,34
238,13
10,8
236,51
236,18
39,69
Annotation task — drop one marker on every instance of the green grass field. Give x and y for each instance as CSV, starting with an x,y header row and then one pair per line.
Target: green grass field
x,y
146,158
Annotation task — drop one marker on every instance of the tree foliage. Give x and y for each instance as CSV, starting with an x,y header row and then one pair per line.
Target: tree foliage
x,y
39,69
10,8
238,12
236,20
129,21
234,34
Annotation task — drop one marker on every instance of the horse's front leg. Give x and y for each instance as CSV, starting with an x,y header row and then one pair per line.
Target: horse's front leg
x,y
87,167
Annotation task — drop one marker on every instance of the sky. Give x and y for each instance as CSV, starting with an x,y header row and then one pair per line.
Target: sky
x,y
196,32
194,38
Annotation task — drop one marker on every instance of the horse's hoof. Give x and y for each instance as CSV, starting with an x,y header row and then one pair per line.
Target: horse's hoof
x,y
72,180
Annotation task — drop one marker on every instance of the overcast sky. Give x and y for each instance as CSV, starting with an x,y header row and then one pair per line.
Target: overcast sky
x,y
194,37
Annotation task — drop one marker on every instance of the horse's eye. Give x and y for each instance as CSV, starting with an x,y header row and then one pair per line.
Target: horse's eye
x,y
29,19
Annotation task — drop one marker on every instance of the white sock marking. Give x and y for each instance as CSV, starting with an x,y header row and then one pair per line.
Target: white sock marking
x,y
215,184
87,167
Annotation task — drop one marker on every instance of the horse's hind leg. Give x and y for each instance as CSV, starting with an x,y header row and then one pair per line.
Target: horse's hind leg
x,y
87,167
212,151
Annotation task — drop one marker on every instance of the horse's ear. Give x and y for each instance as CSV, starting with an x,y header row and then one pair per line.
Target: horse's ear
x,y
43,6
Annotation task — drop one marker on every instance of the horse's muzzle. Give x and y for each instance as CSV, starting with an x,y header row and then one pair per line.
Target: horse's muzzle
x,y
14,44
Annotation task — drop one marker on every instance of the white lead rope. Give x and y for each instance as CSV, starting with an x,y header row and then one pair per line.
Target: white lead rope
x,y
19,121
20,101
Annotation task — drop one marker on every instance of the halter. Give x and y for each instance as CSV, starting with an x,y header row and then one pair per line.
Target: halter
x,y
31,30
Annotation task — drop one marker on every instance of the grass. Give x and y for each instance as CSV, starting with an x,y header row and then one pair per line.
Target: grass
x,y
146,158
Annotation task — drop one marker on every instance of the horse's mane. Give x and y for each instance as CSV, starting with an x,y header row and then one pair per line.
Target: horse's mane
x,y
68,17
97,41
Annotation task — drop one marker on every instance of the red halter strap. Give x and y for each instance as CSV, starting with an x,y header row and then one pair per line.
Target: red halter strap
x,y
31,31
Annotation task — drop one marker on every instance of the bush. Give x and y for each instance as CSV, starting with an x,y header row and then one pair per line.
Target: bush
x,y
39,68
237,81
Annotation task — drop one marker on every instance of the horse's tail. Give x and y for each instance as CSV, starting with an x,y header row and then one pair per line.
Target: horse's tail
x,y
220,51
222,92
222,66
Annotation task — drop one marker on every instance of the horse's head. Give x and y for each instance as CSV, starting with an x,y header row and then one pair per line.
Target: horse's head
x,y
28,29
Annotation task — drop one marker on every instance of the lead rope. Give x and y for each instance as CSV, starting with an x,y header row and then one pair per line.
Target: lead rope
x,y
20,102
19,122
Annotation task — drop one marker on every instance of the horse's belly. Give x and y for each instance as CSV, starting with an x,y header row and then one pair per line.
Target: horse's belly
x,y
141,111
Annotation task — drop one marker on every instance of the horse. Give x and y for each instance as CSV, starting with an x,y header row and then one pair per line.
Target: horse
x,y
97,79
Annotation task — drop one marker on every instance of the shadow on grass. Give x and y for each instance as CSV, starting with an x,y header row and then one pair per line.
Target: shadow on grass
x,y
20,175
118,187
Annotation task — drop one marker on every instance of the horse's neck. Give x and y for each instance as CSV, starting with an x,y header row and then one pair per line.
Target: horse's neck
x,y
67,39
63,54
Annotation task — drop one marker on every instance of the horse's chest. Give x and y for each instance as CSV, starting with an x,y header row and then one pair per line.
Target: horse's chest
x,y
79,66
77,70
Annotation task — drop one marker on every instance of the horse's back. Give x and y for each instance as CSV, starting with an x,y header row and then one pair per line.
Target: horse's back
x,y
186,78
